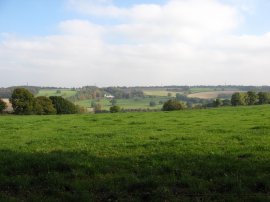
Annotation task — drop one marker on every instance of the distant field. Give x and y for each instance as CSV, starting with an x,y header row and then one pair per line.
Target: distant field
x,y
199,90
49,92
162,93
194,155
210,95
139,103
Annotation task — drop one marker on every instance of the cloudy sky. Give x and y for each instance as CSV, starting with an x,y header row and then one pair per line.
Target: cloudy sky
x,y
134,42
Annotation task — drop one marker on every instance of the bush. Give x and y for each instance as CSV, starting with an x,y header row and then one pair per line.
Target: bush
x,y
63,106
172,105
3,105
44,106
22,101
115,109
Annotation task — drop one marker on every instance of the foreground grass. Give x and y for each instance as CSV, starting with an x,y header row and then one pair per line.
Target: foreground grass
x,y
201,155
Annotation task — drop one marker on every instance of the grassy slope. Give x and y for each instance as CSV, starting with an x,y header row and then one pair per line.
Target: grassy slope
x,y
213,154
50,92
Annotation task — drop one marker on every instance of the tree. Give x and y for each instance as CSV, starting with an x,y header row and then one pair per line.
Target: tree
x,y
63,106
169,94
22,101
3,106
172,105
152,103
44,106
227,102
115,109
217,103
263,98
252,98
238,99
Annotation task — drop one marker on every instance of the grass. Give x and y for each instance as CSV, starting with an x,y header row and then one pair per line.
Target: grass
x,y
52,92
194,155
136,103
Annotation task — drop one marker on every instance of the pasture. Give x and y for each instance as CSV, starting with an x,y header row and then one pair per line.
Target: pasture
x,y
194,155
132,103
53,92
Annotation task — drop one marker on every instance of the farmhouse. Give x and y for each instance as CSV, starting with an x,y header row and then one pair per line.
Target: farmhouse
x,y
109,96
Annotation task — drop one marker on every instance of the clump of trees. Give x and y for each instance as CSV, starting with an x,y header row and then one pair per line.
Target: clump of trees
x,y
63,106
3,106
250,98
24,103
172,105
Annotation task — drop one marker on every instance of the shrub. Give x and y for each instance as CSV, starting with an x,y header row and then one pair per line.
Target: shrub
x,y
63,106
22,101
115,109
172,105
3,105
263,98
44,106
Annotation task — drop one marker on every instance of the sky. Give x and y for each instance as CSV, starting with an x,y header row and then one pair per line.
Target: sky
x,y
73,43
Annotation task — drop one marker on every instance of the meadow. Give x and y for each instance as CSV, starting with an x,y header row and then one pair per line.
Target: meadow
x,y
194,155
53,92
132,103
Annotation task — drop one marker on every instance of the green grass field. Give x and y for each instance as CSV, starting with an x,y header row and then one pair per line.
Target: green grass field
x,y
136,103
52,92
193,155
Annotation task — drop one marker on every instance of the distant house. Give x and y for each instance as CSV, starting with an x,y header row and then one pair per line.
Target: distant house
x,y
109,96
9,106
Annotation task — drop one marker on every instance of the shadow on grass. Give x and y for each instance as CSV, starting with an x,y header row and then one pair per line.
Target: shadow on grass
x,y
67,176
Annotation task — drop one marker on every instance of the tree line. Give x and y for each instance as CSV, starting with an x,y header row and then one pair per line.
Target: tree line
x,y
25,103
250,98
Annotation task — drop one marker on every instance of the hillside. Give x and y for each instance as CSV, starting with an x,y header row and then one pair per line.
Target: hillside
x,y
210,155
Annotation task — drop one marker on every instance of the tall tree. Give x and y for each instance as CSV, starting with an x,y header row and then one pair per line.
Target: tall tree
x,y
252,98
22,101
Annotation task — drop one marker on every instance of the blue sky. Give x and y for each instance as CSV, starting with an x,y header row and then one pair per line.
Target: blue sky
x,y
177,42
40,17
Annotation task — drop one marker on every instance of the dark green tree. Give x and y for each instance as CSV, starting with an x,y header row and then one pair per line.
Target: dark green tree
x,y
3,106
252,98
44,106
263,98
22,101
172,105
238,99
115,109
217,103
63,106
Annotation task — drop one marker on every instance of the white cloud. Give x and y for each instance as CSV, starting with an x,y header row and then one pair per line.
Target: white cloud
x,y
181,42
